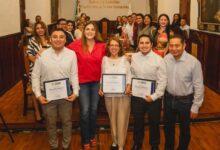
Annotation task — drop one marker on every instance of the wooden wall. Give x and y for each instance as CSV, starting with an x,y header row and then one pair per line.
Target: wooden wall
x,y
208,52
11,61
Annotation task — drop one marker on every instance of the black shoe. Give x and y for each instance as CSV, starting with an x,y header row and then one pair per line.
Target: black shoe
x,y
114,147
136,147
154,148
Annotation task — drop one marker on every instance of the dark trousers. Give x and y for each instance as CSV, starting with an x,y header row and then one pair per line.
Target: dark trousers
x,y
177,107
139,108
88,101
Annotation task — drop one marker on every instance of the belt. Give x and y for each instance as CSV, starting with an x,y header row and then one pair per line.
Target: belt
x,y
190,96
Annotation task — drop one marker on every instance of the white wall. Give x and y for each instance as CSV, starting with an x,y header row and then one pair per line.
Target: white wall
x,y
66,9
38,7
168,7
140,6
194,11
10,17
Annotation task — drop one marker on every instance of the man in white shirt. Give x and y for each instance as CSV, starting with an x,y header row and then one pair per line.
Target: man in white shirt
x,y
56,63
184,27
129,30
184,92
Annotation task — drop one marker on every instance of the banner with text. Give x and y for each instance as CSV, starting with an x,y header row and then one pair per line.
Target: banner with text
x,y
98,9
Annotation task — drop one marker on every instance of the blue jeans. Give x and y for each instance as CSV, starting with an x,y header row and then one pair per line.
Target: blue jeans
x,y
88,101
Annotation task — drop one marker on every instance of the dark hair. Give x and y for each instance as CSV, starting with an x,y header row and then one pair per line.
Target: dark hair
x,y
57,29
150,17
120,53
61,19
139,14
167,30
70,21
178,21
147,36
178,36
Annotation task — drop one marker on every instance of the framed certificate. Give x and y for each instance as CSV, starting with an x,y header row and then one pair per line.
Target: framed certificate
x,y
142,87
57,89
113,83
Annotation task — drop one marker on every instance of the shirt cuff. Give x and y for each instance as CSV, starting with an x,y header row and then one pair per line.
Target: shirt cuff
x,y
194,108
38,94
154,97
76,92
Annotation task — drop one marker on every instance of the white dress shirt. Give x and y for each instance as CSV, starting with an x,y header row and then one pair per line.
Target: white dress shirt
x,y
116,66
185,77
151,67
50,66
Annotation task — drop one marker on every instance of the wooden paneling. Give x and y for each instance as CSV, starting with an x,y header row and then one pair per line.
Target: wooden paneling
x,y
209,55
185,9
11,63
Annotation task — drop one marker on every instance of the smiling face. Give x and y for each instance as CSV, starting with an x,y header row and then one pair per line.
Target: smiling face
x,y
176,47
89,32
163,21
114,48
147,20
40,31
144,45
58,40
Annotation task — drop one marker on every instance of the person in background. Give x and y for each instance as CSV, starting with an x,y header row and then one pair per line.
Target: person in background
x,y
138,26
78,31
37,44
89,51
56,63
70,29
129,28
163,28
148,28
38,19
184,27
161,47
176,20
117,105
184,92
145,64
62,24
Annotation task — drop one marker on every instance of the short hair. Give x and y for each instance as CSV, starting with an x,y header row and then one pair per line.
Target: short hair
x,y
57,29
147,36
178,36
139,14
61,19
120,53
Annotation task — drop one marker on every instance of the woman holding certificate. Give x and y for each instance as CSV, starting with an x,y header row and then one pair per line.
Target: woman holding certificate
x,y
148,85
89,51
116,81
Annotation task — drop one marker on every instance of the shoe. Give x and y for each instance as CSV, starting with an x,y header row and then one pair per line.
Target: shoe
x,y
86,147
114,147
93,142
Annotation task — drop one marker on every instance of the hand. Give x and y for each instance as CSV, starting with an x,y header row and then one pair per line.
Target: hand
x,y
149,99
193,115
39,52
43,100
101,92
71,98
128,90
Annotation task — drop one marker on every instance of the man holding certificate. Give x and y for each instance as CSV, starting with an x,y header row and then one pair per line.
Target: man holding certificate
x,y
148,85
54,71
115,84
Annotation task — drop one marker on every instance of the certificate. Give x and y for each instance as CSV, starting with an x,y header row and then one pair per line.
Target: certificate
x,y
57,89
113,83
142,87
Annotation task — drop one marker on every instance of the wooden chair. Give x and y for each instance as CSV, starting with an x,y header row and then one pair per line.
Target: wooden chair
x,y
27,90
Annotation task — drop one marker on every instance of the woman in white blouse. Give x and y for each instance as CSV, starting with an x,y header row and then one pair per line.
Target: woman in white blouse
x,y
117,105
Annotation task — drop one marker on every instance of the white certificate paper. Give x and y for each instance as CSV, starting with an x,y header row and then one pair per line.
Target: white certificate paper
x,y
141,88
113,83
57,89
